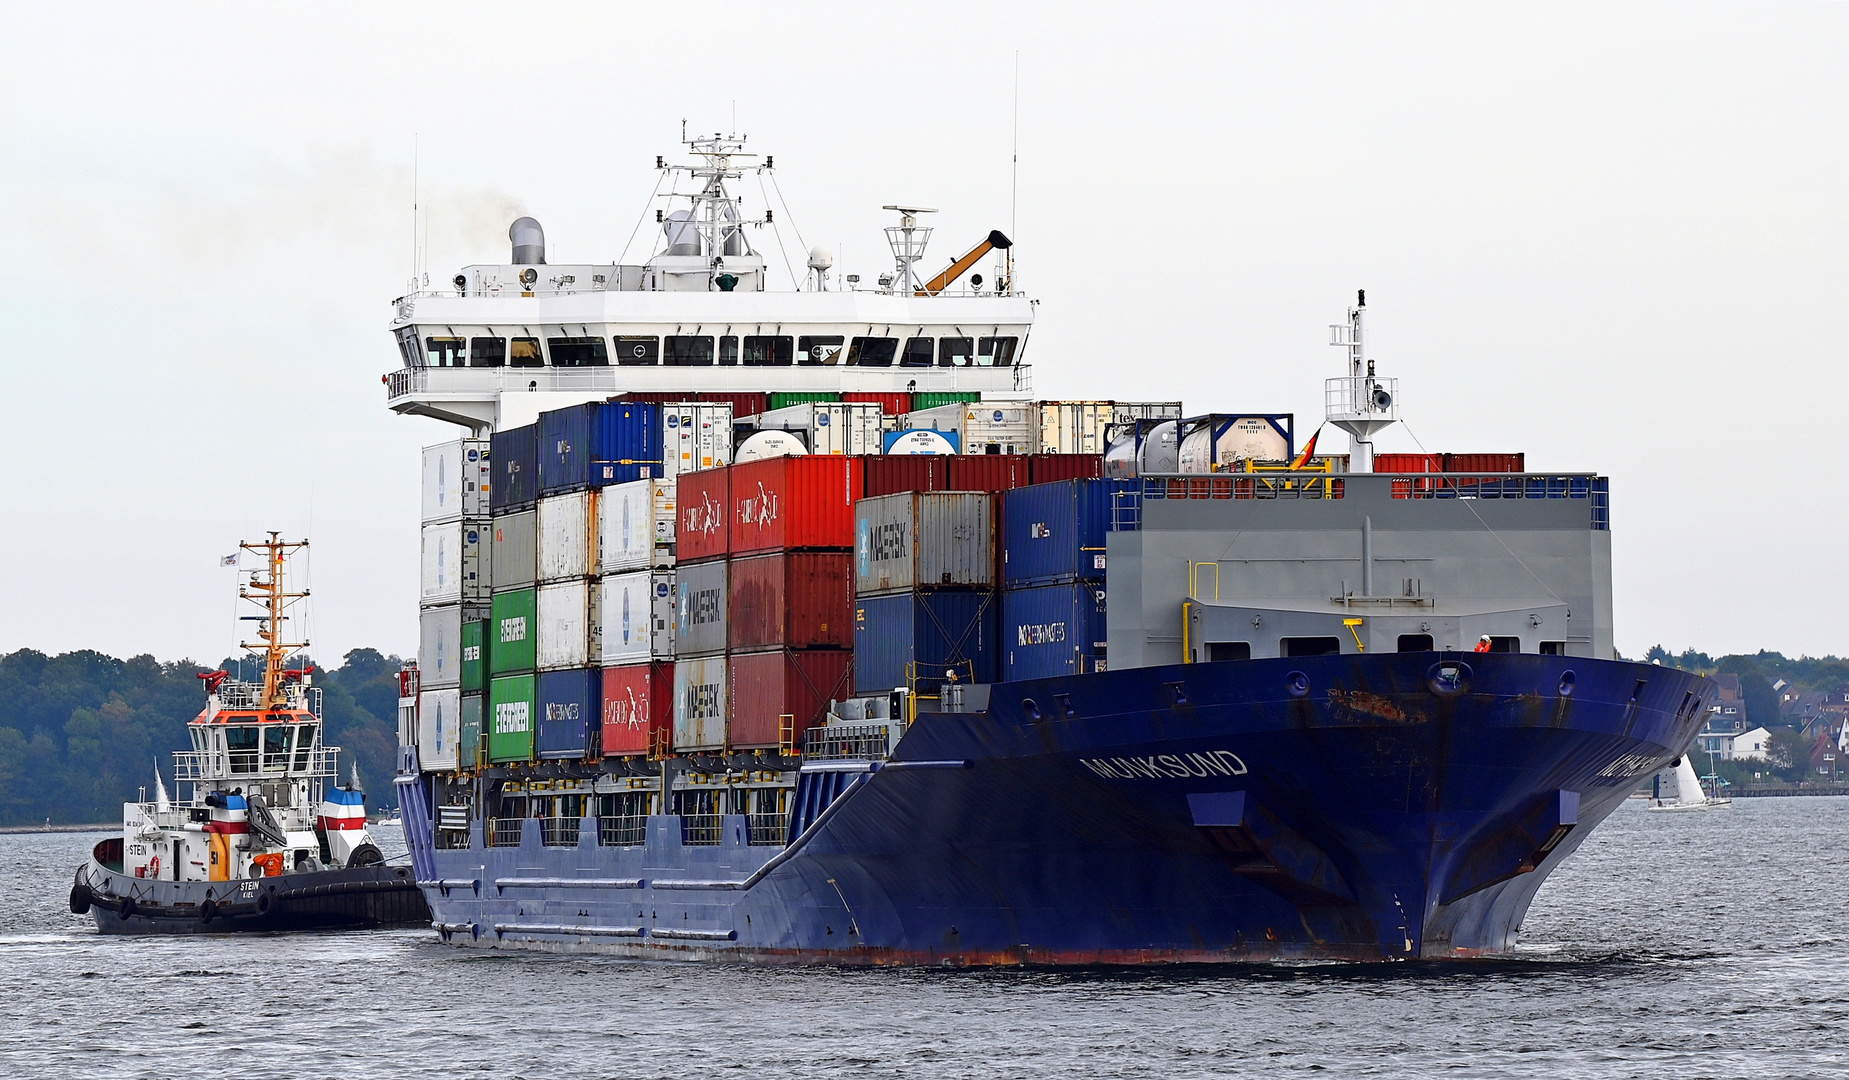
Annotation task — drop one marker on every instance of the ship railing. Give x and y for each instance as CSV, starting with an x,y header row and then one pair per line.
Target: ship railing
x,y
559,831
769,829
702,830
870,741
625,830
470,383
504,832
322,761
1127,507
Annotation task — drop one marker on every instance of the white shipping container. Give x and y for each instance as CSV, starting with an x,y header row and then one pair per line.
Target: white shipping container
x,y
638,617
695,435
568,536
439,646
456,477
830,427
439,723
568,625
1071,427
982,427
635,526
700,703
451,564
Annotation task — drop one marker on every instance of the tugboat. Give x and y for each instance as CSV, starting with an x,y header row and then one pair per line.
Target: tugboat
x,y
262,841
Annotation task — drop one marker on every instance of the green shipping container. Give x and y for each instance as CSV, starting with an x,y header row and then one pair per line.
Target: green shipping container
x,y
923,401
474,671
469,742
510,718
513,632
800,397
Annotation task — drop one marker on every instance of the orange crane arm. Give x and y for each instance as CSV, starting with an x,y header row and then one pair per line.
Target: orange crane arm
x,y
995,242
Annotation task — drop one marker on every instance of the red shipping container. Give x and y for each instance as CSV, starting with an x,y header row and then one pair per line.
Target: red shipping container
x,y
748,404
793,600
904,472
767,685
1408,463
1485,463
988,472
890,404
1049,468
794,503
702,502
638,708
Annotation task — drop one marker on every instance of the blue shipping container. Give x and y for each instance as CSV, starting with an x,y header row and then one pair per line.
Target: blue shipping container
x,y
628,445
1052,630
565,438
515,454
570,712
1055,533
935,630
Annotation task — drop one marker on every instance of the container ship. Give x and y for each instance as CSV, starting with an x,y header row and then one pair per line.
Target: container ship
x,y
772,626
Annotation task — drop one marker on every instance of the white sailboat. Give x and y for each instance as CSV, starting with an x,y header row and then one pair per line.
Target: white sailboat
x,y
1688,794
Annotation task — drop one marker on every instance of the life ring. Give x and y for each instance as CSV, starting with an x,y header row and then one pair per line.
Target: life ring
x,y
80,898
126,910
208,911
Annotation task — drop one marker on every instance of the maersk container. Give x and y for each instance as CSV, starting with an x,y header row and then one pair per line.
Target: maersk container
x,y
988,472
439,646
924,540
1055,532
766,687
903,472
984,427
694,436
1220,442
1051,468
836,427
570,708
932,633
795,600
474,656
450,563
457,479
568,625
793,503
510,718
514,550
469,742
635,526
638,621
513,632
514,455
564,439
1071,427
890,404
702,503
1051,630
638,709
700,608
439,728
700,703
567,534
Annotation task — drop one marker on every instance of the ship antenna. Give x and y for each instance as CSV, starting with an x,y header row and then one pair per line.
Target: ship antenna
x,y
1359,403
274,598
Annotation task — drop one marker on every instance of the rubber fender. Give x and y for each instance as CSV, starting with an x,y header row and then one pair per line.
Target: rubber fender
x,y
80,899
208,911
365,855
265,901
126,910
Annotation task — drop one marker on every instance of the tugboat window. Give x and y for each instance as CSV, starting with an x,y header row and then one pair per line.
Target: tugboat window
x,y
276,747
444,351
728,351
995,351
487,351
1415,643
638,351
770,351
917,352
686,350
819,350
872,351
577,352
526,353
303,744
241,745
956,351
1310,646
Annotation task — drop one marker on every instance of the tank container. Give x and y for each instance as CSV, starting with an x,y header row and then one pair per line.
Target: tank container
x,y
568,625
469,741
438,728
1050,468
700,609
694,436
1143,446
1052,630
786,399
450,563
829,427
767,685
699,703
569,704
924,540
474,656
457,479
926,400
567,535
514,455
1055,532
635,526
638,620
984,427
1071,427
796,600
890,404
638,708
702,501
510,718
1219,442
987,472
935,632
903,472
513,631
513,541
922,442
793,503
439,646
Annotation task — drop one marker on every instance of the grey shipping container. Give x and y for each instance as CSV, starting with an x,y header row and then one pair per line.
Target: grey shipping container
x,y
514,539
924,540
439,646
700,705
700,609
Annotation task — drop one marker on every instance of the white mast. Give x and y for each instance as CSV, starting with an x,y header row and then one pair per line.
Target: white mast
x,y
1359,403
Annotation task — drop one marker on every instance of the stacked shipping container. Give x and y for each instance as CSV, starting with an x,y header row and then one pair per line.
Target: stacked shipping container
x,y
924,590
1053,577
453,589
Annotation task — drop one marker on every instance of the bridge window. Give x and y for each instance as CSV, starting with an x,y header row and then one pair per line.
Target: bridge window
x,y
487,351
241,745
407,348
728,351
872,351
1310,646
1415,643
443,351
638,350
917,352
687,350
825,349
772,351
276,747
525,353
304,742
955,351
1228,650
996,351
578,352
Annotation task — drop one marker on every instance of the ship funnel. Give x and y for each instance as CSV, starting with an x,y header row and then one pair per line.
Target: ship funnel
x,y
529,242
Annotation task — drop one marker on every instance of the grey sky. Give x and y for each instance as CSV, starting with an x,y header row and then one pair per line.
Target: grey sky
x,y
1611,237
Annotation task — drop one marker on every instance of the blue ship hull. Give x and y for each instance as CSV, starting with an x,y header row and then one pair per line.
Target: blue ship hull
x,y
1359,807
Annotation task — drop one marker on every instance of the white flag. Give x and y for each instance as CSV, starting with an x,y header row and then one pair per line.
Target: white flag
x,y
229,560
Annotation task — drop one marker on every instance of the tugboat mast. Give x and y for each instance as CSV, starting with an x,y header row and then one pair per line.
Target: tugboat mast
x,y
270,595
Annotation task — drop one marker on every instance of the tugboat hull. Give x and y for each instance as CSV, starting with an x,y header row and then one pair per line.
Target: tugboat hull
x,y
357,898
